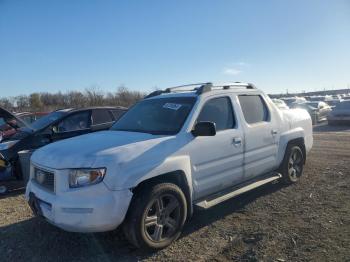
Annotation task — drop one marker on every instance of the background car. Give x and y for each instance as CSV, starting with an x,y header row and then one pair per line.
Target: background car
x,y
9,124
292,101
280,103
333,102
319,98
340,114
318,110
58,125
30,117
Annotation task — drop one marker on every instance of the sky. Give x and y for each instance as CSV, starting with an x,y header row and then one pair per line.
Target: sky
x,y
50,46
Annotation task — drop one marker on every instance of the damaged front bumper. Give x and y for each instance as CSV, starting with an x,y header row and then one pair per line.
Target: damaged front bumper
x,y
88,209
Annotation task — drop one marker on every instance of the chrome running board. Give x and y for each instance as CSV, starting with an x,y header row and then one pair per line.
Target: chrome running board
x,y
207,203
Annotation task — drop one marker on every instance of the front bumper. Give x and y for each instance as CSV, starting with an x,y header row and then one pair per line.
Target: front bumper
x,y
88,209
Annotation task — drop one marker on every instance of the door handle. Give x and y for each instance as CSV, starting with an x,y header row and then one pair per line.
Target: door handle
x,y
274,132
237,141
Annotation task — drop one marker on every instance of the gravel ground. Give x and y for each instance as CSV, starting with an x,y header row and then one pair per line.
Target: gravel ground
x,y
308,221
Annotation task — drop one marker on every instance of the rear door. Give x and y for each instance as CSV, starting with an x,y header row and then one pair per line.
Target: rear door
x,y
217,161
74,124
261,136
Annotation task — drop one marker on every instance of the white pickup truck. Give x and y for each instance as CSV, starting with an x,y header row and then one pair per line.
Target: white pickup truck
x,y
184,147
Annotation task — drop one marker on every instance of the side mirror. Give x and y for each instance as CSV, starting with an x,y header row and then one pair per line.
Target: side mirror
x,y
204,129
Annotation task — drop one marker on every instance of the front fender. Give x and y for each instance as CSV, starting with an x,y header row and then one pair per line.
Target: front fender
x,y
131,177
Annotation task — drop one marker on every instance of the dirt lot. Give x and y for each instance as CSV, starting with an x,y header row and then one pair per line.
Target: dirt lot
x,y
309,221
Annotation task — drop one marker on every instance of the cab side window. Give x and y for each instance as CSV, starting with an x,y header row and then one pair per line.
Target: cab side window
x,y
75,122
101,116
219,111
254,108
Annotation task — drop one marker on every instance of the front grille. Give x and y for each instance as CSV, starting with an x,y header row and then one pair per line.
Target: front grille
x,y
44,178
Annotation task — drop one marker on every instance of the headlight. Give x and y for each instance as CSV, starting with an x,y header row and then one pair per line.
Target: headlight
x,y
8,144
86,177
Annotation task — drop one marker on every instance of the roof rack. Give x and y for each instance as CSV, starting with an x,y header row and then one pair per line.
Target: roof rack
x,y
234,84
200,88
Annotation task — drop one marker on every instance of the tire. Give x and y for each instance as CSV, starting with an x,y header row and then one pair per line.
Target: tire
x,y
293,164
156,216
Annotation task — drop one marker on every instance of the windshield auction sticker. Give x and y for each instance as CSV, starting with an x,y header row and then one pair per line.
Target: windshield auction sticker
x,y
172,106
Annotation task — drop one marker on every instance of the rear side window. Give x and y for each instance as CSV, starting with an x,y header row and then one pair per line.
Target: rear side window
x,y
254,108
101,116
219,111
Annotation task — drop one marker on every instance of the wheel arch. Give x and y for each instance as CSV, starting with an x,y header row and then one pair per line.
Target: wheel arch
x,y
299,141
293,136
177,177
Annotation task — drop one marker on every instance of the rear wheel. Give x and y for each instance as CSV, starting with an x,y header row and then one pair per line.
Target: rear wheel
x,y
293,164
156,216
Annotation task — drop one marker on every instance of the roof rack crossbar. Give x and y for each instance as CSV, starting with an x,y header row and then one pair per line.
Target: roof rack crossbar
x,y
196,86
207,87
201,88
234,84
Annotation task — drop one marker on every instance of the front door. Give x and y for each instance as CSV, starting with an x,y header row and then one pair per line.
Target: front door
x,y
73,125
217,161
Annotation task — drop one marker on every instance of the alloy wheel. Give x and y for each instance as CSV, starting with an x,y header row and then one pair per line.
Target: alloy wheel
x,y
295,164
162,218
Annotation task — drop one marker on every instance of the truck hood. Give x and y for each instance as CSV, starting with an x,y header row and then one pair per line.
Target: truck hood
x,y
100,149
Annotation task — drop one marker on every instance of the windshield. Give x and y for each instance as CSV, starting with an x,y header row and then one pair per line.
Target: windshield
x,y
47,120
161,116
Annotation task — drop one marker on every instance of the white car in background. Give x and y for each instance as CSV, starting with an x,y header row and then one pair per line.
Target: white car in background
x,y
293,101
280,103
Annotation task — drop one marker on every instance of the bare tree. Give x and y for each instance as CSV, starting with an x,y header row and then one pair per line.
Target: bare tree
x,y
72,99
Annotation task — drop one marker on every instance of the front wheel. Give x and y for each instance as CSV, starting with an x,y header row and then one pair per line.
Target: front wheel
x,y
293,164
156,216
